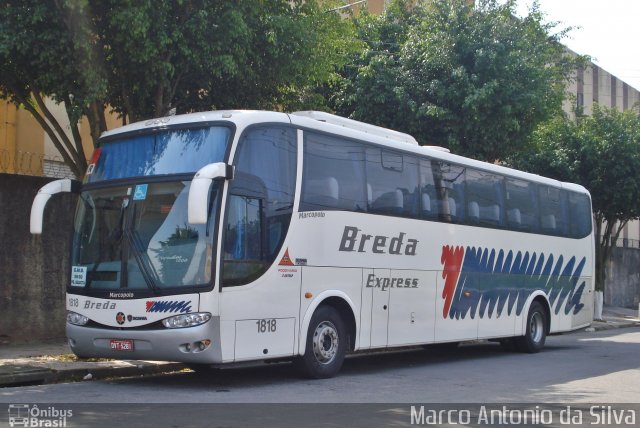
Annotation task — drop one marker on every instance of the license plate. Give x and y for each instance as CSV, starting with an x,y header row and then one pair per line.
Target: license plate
x,y
121,344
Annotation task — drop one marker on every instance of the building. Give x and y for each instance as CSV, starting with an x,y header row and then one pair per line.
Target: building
x,y
27,150
593,84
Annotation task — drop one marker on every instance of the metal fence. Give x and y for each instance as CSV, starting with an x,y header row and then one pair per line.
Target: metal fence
x,y
627,243
34,164
23,163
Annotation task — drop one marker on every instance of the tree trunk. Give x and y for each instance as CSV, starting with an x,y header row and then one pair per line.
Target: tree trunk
x,y
602,255
601,242
607,234
97,121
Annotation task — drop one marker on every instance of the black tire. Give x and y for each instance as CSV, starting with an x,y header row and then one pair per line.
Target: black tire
x,y
536,334
326,344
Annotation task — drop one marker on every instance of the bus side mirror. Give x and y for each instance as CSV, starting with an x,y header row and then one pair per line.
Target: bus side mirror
x,y
198,207
41,199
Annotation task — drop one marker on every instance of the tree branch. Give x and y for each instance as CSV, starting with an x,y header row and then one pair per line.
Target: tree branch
x,y
174,87
621,226
51,133
52,120
75,132
97,121
160,101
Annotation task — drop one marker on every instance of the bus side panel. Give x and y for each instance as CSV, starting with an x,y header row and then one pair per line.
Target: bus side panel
x,y
577,316
412,307
267,337
321,282
500,326
450,328
262,315
585,316
498,317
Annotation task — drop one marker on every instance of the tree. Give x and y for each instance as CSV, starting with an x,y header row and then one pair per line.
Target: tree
x,y
143,58
39,58
474,79
370,88
602,153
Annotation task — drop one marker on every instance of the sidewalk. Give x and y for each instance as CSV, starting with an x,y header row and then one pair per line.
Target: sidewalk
x,y
614,317
52,361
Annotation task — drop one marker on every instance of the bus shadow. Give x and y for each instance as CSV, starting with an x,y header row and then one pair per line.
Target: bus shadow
x,y
565,359
355,365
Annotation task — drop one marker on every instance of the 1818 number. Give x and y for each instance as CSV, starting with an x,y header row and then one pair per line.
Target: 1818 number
x,y
266,326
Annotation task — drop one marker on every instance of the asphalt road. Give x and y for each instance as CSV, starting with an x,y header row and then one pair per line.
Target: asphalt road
x,y
597,367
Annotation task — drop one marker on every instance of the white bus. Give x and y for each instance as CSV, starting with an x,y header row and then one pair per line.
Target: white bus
x,y
232,236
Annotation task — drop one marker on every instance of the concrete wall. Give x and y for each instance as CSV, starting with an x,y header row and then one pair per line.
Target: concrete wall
x,y
33,269
623,278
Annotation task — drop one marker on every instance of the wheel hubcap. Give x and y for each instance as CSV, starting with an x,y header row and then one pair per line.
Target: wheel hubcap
x,y
325,342
536,327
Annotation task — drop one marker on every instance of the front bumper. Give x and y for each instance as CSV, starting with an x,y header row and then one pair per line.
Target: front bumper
x,y
178,344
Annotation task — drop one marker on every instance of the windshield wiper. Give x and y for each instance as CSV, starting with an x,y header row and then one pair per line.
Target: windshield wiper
x,y
147,270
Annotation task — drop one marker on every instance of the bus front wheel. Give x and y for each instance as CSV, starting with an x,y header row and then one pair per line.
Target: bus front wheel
x,y
536,334
326,344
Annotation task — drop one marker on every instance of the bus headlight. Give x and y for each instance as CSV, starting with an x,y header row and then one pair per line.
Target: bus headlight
x,y
76,319
186,320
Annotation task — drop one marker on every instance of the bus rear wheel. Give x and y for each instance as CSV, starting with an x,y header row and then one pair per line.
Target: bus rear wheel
x,y
326,344
536,334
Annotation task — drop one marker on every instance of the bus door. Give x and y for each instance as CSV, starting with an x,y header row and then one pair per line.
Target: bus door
x,y
374,283
402,306
412,303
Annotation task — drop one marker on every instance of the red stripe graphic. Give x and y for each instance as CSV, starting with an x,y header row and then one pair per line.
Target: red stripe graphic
x,y
452,261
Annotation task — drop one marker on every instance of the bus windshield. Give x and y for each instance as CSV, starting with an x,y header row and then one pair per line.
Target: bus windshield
x,y
138,237
174,151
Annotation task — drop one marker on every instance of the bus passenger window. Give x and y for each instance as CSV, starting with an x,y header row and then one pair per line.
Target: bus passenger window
x,y
580,214
450,187
333,175
392,180
521,203
553,211
430,207
485,194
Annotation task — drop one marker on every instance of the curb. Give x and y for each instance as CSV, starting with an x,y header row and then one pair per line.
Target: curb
x,y
610,325
22,375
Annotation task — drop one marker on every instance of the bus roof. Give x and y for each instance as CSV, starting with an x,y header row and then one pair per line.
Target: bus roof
x,y
238,117
337,125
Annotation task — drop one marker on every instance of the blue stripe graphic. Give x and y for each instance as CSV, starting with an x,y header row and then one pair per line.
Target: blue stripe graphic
x,y
491,281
